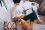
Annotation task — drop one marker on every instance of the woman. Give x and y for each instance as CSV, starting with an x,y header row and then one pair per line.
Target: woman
x,y
16,17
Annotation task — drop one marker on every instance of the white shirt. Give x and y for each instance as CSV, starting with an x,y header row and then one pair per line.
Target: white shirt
x,y
27,5
17,11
